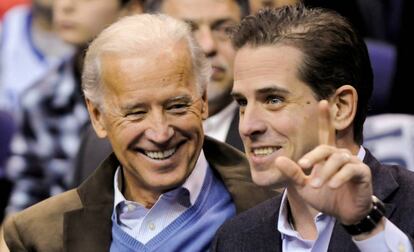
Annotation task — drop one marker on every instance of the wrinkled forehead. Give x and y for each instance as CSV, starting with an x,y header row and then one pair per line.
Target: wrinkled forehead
x,y
148,70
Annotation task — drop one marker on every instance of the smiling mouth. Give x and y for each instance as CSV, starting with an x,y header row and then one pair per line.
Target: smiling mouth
x,y
264,151
160,155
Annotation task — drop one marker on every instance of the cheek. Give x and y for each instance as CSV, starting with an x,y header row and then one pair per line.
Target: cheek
x,y
227,52
123,134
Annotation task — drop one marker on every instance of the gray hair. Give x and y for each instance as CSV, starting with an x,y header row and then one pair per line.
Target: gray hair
x,y
138,35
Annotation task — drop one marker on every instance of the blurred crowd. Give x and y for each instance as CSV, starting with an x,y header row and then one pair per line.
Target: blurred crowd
x,y
43,116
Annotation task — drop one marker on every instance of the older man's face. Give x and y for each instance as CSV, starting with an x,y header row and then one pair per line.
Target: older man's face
x,y
152,114
209,20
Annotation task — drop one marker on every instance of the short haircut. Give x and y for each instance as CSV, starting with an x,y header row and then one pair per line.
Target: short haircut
x,y
139,35
153,6
334,54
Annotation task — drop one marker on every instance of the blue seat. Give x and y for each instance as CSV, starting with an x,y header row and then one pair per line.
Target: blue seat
x,y
383,60
390,137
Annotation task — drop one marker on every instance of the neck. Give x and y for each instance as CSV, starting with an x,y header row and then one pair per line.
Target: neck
x,y
302,215
144,197
138,193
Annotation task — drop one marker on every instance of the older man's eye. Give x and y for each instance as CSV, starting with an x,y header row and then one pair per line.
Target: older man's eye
x,y
178,107
135,114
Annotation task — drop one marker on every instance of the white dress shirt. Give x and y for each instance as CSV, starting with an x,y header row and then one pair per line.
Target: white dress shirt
x,y
218,125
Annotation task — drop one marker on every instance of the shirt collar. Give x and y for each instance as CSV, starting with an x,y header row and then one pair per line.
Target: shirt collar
x,y
192,185
224,117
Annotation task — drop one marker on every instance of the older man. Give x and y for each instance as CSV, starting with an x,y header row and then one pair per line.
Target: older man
x,y
209,20
303,80
166,187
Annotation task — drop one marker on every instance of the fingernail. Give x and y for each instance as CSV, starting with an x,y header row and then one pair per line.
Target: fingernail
x,y
304,163
316,182
333,184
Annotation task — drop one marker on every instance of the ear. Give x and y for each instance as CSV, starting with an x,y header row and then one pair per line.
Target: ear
x,y
204,106
96,119
344,106
132,7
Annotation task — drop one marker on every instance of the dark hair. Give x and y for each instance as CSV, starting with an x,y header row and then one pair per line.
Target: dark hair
x,y
125,2
152,6
334,54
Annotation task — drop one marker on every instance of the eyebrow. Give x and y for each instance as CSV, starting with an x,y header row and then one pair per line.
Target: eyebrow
x,y
131,106
262,91
214,23
221,21
185,98
271,90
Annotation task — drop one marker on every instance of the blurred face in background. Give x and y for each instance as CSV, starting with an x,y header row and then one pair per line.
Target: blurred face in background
x,y
209,20
79,21
256,5
43,8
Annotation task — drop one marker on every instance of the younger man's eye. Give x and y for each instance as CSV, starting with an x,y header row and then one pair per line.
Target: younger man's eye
x,y
274,100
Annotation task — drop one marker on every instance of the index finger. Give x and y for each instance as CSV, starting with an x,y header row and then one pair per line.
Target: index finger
x,y
326,129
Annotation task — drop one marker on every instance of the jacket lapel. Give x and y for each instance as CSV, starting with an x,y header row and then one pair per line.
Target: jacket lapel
x,y
232,167
89,228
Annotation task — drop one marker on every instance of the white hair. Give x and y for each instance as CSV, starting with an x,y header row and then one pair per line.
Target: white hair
x,y
137,35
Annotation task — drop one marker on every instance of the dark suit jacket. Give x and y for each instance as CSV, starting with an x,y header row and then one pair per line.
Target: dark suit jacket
x,y
80,220
256,229
94,150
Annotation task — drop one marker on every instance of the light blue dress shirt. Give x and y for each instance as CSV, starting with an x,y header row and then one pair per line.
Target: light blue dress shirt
x,y
143,224
391,239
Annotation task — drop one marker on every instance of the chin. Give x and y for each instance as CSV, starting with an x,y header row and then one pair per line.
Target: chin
x,y
268,179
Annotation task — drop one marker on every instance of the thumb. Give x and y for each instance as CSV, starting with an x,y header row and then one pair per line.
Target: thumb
x,y
291,170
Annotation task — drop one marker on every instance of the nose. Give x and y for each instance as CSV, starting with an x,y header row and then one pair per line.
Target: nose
x,y
251,122
206,40
159,130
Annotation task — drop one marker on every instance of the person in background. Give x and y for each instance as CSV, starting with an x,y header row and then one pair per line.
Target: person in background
x,y
53,109
166,187
256,5
303,81
29,51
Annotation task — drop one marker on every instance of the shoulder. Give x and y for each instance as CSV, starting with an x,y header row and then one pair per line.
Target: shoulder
x,y
41,220
396,176
254,217
250,230
394,185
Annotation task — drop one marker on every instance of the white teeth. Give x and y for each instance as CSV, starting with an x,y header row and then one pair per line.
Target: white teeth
x,y
264,151
159,155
